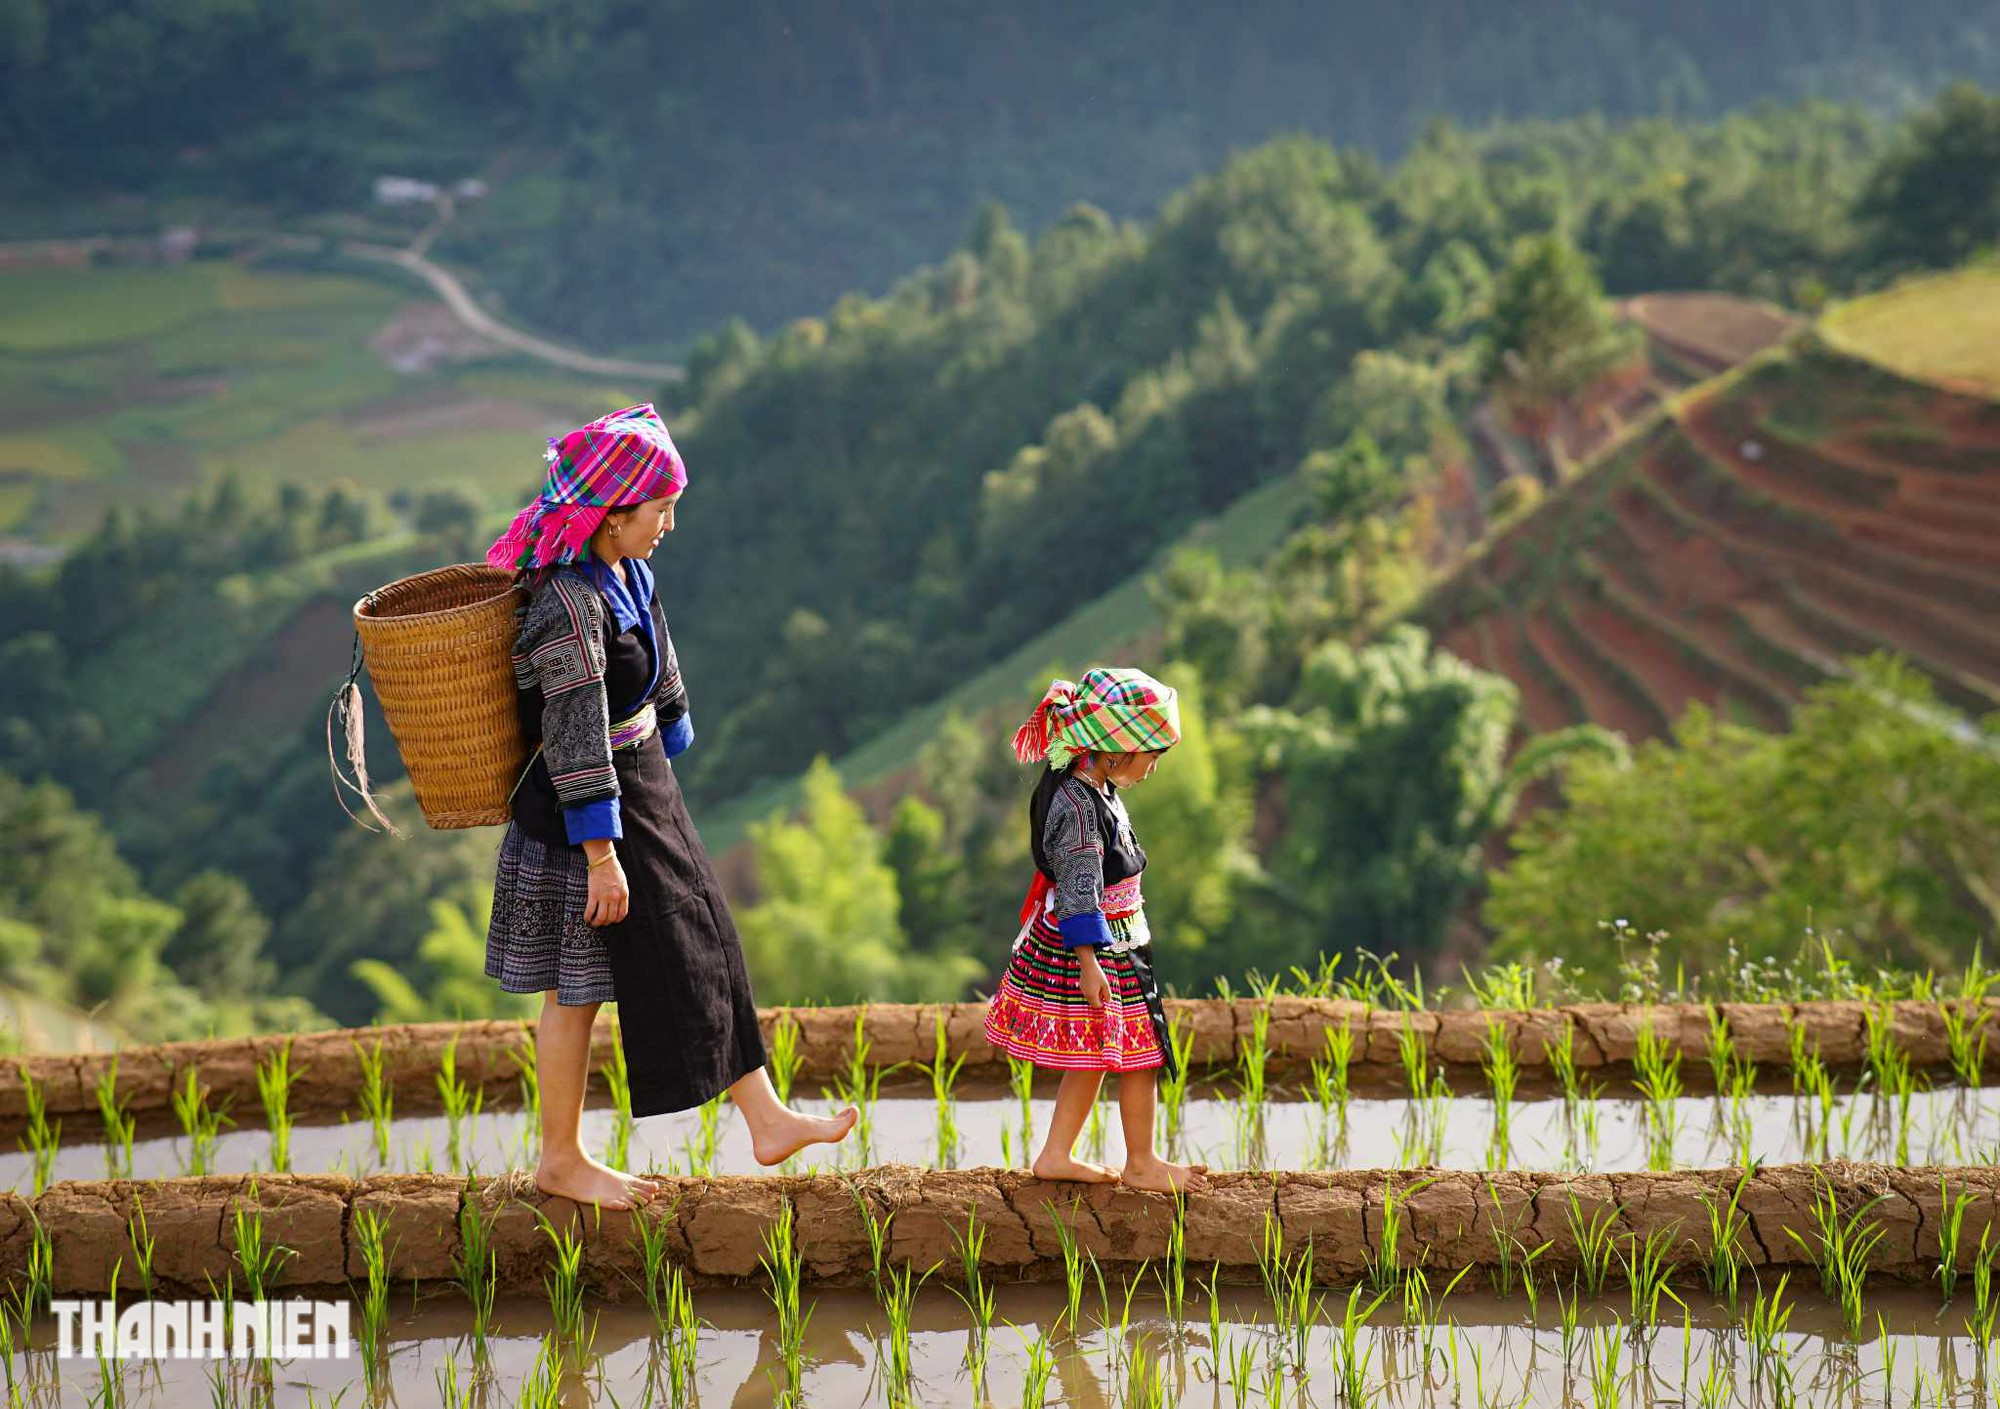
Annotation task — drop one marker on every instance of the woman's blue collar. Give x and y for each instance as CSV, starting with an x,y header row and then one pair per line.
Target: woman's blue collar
x,y
628,602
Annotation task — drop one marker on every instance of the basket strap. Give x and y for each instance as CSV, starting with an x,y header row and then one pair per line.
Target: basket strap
x,y
532,756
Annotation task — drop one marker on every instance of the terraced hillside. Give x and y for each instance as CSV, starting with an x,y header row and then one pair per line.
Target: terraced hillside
x,y
1811,505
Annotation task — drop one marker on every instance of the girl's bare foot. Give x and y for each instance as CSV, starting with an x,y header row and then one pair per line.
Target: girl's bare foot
x,y
1160,1176
1079,1171
583,1180
792,1132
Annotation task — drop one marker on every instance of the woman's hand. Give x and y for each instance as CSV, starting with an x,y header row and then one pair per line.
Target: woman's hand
x,y
1096,987
610,898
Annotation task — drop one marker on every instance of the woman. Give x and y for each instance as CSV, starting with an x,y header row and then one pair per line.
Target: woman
x,y
603,890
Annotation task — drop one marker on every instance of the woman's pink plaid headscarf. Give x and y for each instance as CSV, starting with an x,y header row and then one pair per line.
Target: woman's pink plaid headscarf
x,y
624,458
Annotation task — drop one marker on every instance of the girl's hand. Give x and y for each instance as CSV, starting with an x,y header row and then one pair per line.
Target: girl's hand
x,y
610,898
1096,987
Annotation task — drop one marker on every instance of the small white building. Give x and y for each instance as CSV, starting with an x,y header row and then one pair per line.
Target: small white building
x,y
404,190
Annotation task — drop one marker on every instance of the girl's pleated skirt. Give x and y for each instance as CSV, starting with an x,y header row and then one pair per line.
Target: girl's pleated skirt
x,y
1039,1014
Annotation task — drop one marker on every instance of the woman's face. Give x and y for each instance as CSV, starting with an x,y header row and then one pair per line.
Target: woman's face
x,y
645,526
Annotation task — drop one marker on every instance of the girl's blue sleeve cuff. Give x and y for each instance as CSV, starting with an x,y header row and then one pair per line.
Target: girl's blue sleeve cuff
x,y
592,820
678,735
1079,930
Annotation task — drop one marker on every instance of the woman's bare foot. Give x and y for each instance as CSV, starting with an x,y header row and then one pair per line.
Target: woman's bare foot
x,y
793,1131
1078,1171
586,1181
1160,1176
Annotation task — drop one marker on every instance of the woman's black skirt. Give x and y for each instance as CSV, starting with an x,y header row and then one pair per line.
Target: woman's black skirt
x,y
674,964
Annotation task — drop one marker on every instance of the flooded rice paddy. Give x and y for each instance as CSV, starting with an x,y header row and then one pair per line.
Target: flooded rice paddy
x,y
1942,1125
1473,1349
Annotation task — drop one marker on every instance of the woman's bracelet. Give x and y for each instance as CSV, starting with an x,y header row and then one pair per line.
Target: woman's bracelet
x,y
610,853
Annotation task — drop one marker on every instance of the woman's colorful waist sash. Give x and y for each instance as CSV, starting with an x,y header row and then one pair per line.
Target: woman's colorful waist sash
x,y
631,732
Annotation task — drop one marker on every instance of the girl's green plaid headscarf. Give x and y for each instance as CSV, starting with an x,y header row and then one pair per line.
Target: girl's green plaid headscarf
x,y
1114,710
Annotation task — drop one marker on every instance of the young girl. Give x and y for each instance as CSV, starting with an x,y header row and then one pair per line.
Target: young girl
x,y
1079,993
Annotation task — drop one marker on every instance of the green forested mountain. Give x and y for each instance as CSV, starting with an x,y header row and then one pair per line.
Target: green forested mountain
x,y
895,493
657,168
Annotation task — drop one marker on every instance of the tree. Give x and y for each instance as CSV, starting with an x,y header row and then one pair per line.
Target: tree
x,y
451,966
218,946
825,929
1395,768
1934,198
1551,336
1873,823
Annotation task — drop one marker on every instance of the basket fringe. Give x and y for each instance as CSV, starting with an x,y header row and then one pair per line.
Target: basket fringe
x,y
346,707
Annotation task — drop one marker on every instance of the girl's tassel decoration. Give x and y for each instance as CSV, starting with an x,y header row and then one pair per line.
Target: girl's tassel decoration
x,y
1031,740
346,707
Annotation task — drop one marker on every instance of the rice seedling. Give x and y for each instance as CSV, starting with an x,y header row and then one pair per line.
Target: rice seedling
x,y
1252,1057
1298,1308
119,1123
1607,1378
369,1226
1093,1130
1040,1369
260,1263
1879,1022
943,1077
1727,1229
1350,1360
378,1096
1842,1249
784,1265
701,1145
899,1290
1593,1239
1965,1036
543,1386
1173,1273
1656,1064
1737,1123
477,1267
199,1122
1241,1360
1385,1261
41,1140
1721,1049
1072,1256
1951,1228
860,1086
1021,1081
978,1295
1503,1075
1767,1321
142,1242
1413,1052
1649,1275
1330,1087
275,1078
528,1066
682,1342
618,1080
564,1281
1983,1325
1173,1088
1512,1256
785,1057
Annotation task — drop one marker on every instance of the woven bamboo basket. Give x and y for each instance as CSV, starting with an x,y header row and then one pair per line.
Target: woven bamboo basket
x,y
438,647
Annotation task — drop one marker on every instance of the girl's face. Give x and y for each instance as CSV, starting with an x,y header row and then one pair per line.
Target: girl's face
x,y
1124,769
640,531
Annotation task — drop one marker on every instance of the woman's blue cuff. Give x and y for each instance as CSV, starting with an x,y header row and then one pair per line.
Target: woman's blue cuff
x,y
1079,930
678,735
593,820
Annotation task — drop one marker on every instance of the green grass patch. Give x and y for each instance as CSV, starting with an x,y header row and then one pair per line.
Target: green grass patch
x,y
1943,327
